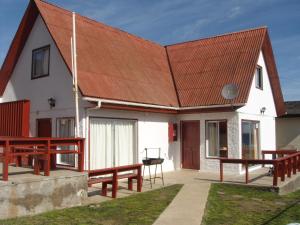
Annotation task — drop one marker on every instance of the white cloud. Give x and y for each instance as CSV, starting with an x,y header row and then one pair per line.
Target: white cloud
x,y
234,12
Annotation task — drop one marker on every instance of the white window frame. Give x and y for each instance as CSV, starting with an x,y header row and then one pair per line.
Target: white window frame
x,y
33,64
218,136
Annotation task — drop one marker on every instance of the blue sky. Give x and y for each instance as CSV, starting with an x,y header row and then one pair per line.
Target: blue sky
x,y
171,21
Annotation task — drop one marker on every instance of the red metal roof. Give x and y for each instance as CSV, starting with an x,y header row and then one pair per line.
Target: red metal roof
x,y
201,68
113,64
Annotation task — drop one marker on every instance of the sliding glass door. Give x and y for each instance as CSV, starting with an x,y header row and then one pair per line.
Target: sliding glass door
x,y
250,140
112,142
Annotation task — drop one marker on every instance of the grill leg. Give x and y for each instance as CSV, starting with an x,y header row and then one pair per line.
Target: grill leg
x,y
155,173
162,175
150,178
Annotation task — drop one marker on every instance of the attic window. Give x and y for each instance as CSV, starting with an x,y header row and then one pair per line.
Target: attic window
x,y
259,77
40,62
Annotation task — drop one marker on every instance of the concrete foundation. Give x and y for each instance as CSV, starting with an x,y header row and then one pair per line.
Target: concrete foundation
x,y
292,184
28,194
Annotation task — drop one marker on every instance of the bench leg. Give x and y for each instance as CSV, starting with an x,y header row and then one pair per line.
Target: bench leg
x,y
130,186
104,189
114,185
139,180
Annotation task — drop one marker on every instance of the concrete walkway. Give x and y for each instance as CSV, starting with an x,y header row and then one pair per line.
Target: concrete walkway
x,y
189,204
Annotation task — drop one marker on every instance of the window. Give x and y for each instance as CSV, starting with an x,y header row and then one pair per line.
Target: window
x,y
259,77
250,140
216,139
113,142
65,129
40,62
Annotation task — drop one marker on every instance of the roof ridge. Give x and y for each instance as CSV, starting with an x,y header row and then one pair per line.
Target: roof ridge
x,y
172,76
219,35
87,19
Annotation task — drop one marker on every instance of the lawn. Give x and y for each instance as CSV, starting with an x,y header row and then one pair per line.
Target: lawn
x,y
141,208
233,204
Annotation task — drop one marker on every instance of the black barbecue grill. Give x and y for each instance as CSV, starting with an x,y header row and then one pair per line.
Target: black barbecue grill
x,y
149,161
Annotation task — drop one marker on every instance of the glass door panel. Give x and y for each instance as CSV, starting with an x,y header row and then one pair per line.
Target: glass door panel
x,y
250,140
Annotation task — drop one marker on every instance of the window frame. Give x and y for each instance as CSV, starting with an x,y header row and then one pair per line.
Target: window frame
x,y
32,70
57,124
207,156
259,135
260,74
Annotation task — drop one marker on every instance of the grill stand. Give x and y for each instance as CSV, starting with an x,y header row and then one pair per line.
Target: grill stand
x,y
153,161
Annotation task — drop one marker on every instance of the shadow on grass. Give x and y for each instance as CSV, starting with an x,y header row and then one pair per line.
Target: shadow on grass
x,y
277,215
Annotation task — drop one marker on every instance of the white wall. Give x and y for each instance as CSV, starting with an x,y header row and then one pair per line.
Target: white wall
x,y
252,110
260,98
57,85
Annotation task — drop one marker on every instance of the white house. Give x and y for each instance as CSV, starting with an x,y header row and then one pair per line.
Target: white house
x,y
136,94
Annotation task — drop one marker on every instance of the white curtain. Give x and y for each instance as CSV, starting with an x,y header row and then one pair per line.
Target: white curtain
x,y
124,143
112,143
101,149
213,146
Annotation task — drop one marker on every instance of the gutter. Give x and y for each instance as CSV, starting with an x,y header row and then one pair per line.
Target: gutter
x,y
100,101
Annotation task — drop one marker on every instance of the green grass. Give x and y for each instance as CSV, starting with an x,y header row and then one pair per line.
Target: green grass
x,y
233,204
141,208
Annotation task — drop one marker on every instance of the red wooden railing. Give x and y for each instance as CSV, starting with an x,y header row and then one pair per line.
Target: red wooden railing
x,y
40,149
285,162
14,118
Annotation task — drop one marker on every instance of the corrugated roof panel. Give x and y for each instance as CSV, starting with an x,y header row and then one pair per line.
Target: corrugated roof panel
x,y
218,61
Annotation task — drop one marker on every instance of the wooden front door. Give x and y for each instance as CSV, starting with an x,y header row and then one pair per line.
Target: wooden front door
x,y
44,128
190,137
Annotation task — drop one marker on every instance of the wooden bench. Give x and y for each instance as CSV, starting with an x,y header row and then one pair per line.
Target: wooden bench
x,y
115,176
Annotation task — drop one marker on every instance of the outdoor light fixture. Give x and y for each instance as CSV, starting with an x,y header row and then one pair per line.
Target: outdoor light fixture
x,y
51,102
262,110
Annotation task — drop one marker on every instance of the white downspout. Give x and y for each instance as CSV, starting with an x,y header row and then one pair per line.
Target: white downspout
x,y
74,71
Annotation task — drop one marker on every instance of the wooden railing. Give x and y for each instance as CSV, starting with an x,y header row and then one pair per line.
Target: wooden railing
x,y
284,163
12,149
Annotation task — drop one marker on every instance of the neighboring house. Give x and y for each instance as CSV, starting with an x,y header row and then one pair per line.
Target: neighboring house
x,y
134,93
288,127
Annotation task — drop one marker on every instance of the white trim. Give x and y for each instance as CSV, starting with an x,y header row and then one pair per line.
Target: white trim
x,y
100,101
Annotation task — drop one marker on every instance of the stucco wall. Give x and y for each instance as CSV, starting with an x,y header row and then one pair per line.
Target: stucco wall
x,y
288,133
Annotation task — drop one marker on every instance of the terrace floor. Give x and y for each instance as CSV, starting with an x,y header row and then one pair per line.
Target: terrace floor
x,y
23,175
